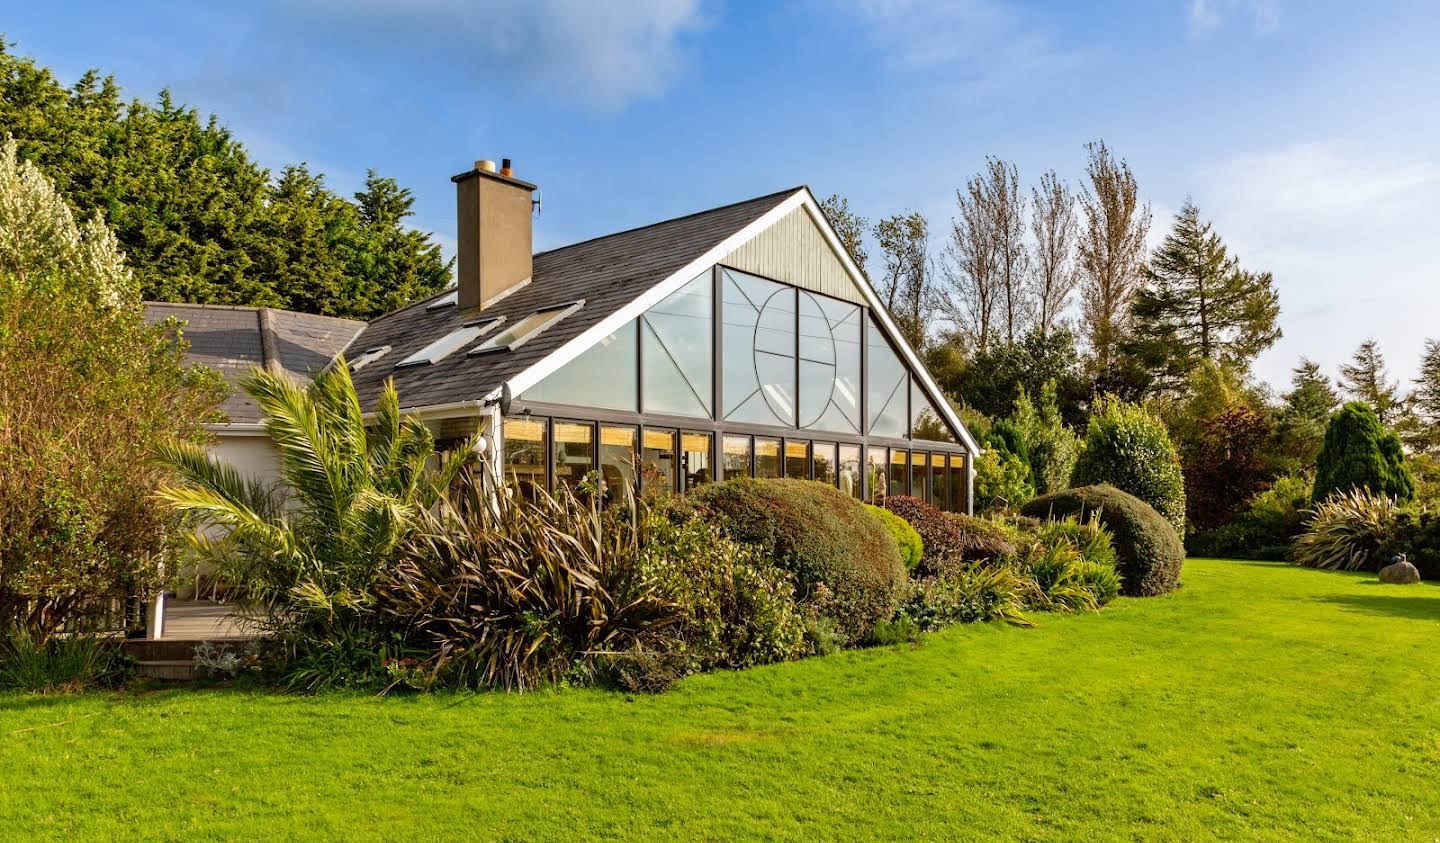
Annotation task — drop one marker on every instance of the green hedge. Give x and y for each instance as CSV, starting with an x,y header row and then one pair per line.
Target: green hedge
x,y
1130,449
846,564
949,539
1149,550
912,549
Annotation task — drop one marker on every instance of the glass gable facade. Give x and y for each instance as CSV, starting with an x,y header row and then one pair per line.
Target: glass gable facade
x,y
735,374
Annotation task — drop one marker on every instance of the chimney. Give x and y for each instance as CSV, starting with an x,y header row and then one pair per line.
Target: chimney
x,y
493,230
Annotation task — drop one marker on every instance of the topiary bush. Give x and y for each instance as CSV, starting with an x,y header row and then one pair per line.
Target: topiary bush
x,y
1359,453
912,548
1148,549
844,560
1130,449
949,539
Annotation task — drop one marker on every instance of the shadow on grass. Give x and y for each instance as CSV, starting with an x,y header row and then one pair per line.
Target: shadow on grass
x,y
1419,607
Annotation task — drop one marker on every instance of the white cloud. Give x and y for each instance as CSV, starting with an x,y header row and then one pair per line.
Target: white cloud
x,y
1347,233
980,46
1206,16
600,53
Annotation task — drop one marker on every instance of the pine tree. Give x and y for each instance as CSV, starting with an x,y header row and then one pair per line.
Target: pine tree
x,y
1425,401
1198,304
1300,424
1359,453
1364,379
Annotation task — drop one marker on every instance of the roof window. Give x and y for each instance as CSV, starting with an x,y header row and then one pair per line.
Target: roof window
x,y
370,355
527,329
447,300
448,344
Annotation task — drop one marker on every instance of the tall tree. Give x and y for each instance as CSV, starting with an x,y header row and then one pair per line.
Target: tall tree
x,y
1424,434
1364,379
1300,423
1005,203
1052,225
972,287
198,219
1111,249
1197,304
848,225
905,286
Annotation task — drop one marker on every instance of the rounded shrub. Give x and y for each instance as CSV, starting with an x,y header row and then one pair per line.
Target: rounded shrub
x,y
1359,453
846,565
912,549
950,540
1130,449
1149,550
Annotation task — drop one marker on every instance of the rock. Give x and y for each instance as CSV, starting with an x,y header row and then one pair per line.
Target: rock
x,y
1399,573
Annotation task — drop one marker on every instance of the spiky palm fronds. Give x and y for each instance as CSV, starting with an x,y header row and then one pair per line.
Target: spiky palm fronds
x,y
1344,532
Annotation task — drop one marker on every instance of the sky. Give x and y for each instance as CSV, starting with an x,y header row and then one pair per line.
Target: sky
x,y
1304,129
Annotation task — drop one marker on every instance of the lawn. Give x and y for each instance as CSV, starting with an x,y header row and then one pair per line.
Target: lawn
x,y
1261,701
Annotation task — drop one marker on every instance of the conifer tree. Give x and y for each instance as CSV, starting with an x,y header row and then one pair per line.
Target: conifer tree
x,y
1364,379
1199,305
1425,401
1300,424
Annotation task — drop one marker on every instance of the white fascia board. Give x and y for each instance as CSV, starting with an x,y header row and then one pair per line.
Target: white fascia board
x,y
237,428
615,321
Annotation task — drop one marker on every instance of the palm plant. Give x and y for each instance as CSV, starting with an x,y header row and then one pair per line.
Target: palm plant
x,y
1344,532
304,554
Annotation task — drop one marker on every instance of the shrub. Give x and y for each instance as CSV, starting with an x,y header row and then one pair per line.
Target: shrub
x,y
503,591
912,548
1052,446
63,664
1090,538
1346,531
1266,528
1149,551
820,535
736,609
1225,466
1002,481
1416,534
1359,453
950,539
1053,569
1128,448
969,594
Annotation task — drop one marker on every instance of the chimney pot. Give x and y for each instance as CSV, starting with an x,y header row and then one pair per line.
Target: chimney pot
x,y
485,165
505,169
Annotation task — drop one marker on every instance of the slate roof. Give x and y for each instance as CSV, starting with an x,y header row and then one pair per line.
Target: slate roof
x,y
607,272
235,339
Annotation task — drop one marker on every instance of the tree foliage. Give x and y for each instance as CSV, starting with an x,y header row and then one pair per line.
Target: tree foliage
x,y
1359,453
1111,251
905,280
1052,448
1303,416
78,523
848,225
1365,379
1128,448
1225,466
198,219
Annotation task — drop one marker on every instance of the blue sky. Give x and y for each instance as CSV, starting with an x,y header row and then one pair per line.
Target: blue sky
x,y
1305,130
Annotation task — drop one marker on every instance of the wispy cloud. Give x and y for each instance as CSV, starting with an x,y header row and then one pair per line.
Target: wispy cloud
x,y
1206,16
978,46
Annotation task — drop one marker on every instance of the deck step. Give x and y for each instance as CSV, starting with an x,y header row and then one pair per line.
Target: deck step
x,y
167,669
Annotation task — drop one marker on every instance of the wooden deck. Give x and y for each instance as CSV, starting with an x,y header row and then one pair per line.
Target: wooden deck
x,y
202,620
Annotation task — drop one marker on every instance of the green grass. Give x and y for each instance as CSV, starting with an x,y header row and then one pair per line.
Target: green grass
x,y
1261,701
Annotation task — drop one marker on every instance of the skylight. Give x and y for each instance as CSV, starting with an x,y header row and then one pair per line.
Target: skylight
x,y
446,300
448,344
370,355
527,329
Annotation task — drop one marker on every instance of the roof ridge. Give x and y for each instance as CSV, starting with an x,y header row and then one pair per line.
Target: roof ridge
x,y
254,308
786,192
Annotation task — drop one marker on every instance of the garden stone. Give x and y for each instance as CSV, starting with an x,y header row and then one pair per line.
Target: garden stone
x,y
1399,572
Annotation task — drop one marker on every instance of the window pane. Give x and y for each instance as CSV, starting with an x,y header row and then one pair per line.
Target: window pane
x,y
927,423
678,343
886,393
737,456
823,456
759,353
961,489
797,460
695,453
602,376
617,462
524,455
767,457
830,364
877,483
850,470
525,330
939,484
920,477
574,453
657,460
899,472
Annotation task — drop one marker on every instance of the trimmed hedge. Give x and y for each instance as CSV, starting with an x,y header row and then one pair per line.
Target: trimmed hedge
x,y
845,562
1149,550
912,549
1129,448
1359,453
949,539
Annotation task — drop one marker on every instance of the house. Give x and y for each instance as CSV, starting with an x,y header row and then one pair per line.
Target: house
x,y
741,340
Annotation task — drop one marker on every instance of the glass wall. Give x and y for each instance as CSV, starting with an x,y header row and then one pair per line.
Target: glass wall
x,y
617,461
939,482
657,460
797,460
602,376
899,471
823,456
574,453
925,419
758,338
767,457
524,455
677,341
920,476
877,476
888,391
829,353
695,459
849,470
960,500
736,456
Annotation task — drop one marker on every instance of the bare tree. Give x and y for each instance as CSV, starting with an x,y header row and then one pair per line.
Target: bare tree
x,y
1005,203
1052,224
970,267
1112,250
906,282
